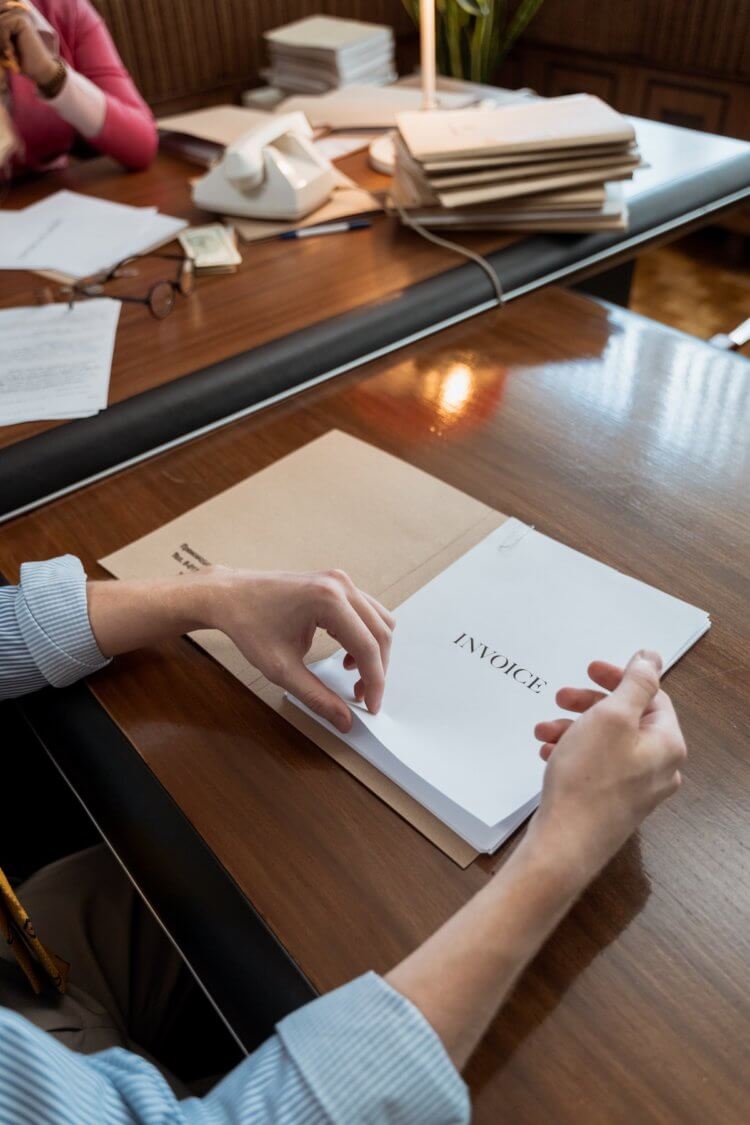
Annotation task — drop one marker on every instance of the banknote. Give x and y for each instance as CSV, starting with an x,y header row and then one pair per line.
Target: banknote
x,y
212,248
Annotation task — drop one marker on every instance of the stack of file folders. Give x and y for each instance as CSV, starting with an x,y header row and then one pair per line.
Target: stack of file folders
x,y
554,164
324,53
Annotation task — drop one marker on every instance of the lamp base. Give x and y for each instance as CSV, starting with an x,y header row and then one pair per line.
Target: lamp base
x,y
382,154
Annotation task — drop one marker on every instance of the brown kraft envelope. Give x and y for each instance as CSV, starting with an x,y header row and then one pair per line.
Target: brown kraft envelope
x,y
337,502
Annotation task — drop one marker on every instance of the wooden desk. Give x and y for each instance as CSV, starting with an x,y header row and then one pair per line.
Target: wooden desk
x,y
279,289
303,311
611,433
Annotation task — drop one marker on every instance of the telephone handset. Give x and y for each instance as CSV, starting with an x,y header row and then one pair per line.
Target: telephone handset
x,y
272,172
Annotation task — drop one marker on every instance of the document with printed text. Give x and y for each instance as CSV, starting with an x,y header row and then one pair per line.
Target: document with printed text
x,y
478,656
56,360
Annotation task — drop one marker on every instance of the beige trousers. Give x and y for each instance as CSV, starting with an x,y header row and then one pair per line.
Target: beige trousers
x,y
124,973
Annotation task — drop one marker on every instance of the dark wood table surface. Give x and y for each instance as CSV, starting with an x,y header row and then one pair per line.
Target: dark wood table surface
x,y
625,440
283,287
279,288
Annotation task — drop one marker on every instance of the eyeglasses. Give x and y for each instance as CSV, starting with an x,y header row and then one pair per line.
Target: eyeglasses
x,y
159,299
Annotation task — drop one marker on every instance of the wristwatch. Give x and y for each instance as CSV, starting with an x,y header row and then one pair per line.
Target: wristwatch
x,y
52,88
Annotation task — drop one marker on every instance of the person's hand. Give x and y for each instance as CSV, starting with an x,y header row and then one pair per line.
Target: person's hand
x,y
20,39
272,618
608,769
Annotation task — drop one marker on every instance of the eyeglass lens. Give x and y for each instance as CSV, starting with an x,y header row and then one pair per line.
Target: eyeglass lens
x,y
161,299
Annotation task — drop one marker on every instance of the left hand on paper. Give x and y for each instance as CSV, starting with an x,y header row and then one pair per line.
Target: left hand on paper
x,y
272,618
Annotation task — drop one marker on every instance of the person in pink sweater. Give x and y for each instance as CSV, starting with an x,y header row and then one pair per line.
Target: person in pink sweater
x,y
61,78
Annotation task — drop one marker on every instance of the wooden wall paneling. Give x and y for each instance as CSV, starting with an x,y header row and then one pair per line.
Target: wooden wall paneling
x,y
676,104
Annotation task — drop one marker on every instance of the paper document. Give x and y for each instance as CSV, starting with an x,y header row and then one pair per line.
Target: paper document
x,y
344,203
363,107
544,607
218,124
478,656
577,120
79,235
56,360
337,145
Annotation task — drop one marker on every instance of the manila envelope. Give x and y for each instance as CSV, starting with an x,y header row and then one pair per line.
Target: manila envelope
x,y
219,124
337,502
346,201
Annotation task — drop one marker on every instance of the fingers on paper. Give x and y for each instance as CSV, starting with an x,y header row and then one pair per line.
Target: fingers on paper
x,y
357,623
306,686
552,731
604,675
578,699
607,676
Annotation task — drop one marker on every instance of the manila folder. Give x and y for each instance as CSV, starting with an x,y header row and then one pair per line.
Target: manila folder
x,y
334,503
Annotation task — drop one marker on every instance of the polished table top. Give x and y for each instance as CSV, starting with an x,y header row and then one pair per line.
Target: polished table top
x,y
297,311
280,287
621,438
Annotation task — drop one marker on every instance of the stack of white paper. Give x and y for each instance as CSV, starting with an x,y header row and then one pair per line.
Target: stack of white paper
x,y
478,656
322,53
78,236
56,360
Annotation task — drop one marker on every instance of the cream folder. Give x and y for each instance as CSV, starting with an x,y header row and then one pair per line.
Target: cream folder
x,y
336,502
571,122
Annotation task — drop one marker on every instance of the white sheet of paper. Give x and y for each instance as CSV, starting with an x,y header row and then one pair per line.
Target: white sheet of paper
x,y
56,361
363,107
337,145
478,656
79,235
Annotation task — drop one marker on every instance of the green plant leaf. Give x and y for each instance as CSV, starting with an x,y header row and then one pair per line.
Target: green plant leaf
x,y
477,8
454,19
474,35
412,9
522,17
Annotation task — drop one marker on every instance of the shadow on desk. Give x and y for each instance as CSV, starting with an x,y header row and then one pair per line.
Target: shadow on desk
x,y
606,910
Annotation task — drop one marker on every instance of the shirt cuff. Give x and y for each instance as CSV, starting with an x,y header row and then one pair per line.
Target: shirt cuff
x,y
82,104
52,613
369,1055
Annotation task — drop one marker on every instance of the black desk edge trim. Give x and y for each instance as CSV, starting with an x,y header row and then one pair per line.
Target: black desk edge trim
x,y
247,975
56,462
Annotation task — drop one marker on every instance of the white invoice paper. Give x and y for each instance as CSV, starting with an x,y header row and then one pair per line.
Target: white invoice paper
x,y
478,656
55,361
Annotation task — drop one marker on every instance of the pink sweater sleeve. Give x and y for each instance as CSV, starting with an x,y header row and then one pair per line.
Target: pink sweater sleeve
x,y
129,131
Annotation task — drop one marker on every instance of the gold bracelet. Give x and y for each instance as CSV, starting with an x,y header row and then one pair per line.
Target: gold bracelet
x,y
52,88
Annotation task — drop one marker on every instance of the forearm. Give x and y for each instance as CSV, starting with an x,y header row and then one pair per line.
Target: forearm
x,y
127,128
131,614
461,975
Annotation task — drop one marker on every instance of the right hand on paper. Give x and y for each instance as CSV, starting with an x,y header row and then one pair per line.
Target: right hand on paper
x,y
272,618
608,769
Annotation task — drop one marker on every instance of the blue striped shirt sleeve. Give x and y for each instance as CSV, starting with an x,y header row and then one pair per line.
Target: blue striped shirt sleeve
x,y
45,633
360,1054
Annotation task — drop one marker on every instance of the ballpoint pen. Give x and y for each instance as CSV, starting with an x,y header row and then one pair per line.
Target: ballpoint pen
x,y
327,228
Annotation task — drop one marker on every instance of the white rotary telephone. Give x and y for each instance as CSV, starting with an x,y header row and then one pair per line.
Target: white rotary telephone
x,y
272,172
